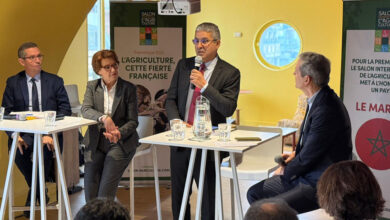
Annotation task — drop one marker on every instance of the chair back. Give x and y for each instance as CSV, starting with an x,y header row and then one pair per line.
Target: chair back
x,y
145,126
258,162
73,95
144,129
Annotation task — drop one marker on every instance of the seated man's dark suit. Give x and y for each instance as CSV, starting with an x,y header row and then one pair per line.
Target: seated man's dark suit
x,y
222,92
16,99
326,139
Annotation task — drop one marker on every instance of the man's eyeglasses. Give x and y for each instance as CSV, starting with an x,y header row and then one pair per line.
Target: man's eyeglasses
x,y
40,57
203,41
108,67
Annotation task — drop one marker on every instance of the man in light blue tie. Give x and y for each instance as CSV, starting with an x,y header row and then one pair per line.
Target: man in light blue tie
x,y
34,90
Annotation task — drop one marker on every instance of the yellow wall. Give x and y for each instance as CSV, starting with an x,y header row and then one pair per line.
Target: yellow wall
x,y
74,67
52,25
274,94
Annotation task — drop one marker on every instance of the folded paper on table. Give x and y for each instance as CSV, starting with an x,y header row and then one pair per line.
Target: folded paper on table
x,y
247,138
236,143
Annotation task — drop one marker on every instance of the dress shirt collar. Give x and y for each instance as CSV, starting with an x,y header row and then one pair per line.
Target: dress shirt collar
x,y
36,77
211,64
311,99
113,88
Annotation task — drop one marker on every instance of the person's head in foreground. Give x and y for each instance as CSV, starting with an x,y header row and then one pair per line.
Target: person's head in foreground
x,y
102,209
349,191
271,209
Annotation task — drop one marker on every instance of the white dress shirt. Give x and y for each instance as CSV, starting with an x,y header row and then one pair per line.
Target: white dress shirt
x,y
108,99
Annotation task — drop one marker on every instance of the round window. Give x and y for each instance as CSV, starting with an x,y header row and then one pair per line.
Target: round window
x,y
277,45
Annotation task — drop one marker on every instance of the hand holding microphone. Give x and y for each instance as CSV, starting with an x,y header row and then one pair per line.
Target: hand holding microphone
x,y
279,159
198,62
284,159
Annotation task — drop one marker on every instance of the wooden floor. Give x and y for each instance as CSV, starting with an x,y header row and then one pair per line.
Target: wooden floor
x,y
145,203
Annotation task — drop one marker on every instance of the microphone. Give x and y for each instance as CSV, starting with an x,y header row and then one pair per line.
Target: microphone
x,y
198,62
279,159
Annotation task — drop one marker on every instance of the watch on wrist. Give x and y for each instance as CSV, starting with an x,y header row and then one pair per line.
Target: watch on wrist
x,y
102,118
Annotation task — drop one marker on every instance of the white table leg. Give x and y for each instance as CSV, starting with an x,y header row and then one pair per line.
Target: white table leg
x,y
201,184
11,199
131,185
188,184
218,187
8,179
236,188
33,195
41,177
156,182
232,207
60,203
62,181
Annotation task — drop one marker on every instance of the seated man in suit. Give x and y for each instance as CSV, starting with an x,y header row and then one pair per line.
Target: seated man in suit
x,y
325,139
219,82
34,90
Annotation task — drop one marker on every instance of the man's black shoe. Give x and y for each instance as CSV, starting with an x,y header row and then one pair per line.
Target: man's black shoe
x,y
27,213
28,203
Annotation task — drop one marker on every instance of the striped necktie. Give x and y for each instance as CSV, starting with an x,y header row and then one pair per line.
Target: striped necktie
x,y
195,95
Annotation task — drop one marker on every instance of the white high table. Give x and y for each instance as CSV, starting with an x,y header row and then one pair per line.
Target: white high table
x,y
233,147
38,128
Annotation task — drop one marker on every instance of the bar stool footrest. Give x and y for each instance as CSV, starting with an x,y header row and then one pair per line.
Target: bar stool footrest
x,y
37,208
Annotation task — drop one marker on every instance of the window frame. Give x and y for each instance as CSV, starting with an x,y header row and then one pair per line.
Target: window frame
x,y
256,46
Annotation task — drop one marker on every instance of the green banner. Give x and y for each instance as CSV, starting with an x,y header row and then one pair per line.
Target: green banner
x,y
148,47
365,85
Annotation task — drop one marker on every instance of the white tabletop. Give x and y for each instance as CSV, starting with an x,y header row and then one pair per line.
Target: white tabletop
x,y
287,130
37,126
212,143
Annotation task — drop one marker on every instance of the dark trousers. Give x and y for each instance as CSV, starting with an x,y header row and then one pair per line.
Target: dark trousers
x,y
25,165
24,162
179,165
104,169
299,196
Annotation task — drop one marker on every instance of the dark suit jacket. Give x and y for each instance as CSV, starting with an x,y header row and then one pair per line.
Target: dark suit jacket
x,y
53,95
222,91
124,114
326,139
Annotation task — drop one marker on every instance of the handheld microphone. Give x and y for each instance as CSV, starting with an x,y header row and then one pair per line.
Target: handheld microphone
x,y
279,159
198,62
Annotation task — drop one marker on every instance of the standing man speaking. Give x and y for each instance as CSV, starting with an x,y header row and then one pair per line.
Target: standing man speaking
x,y
219,82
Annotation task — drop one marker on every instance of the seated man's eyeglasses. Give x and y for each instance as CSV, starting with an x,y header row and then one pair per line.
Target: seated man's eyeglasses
x,y
108,67
203,41
40,56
